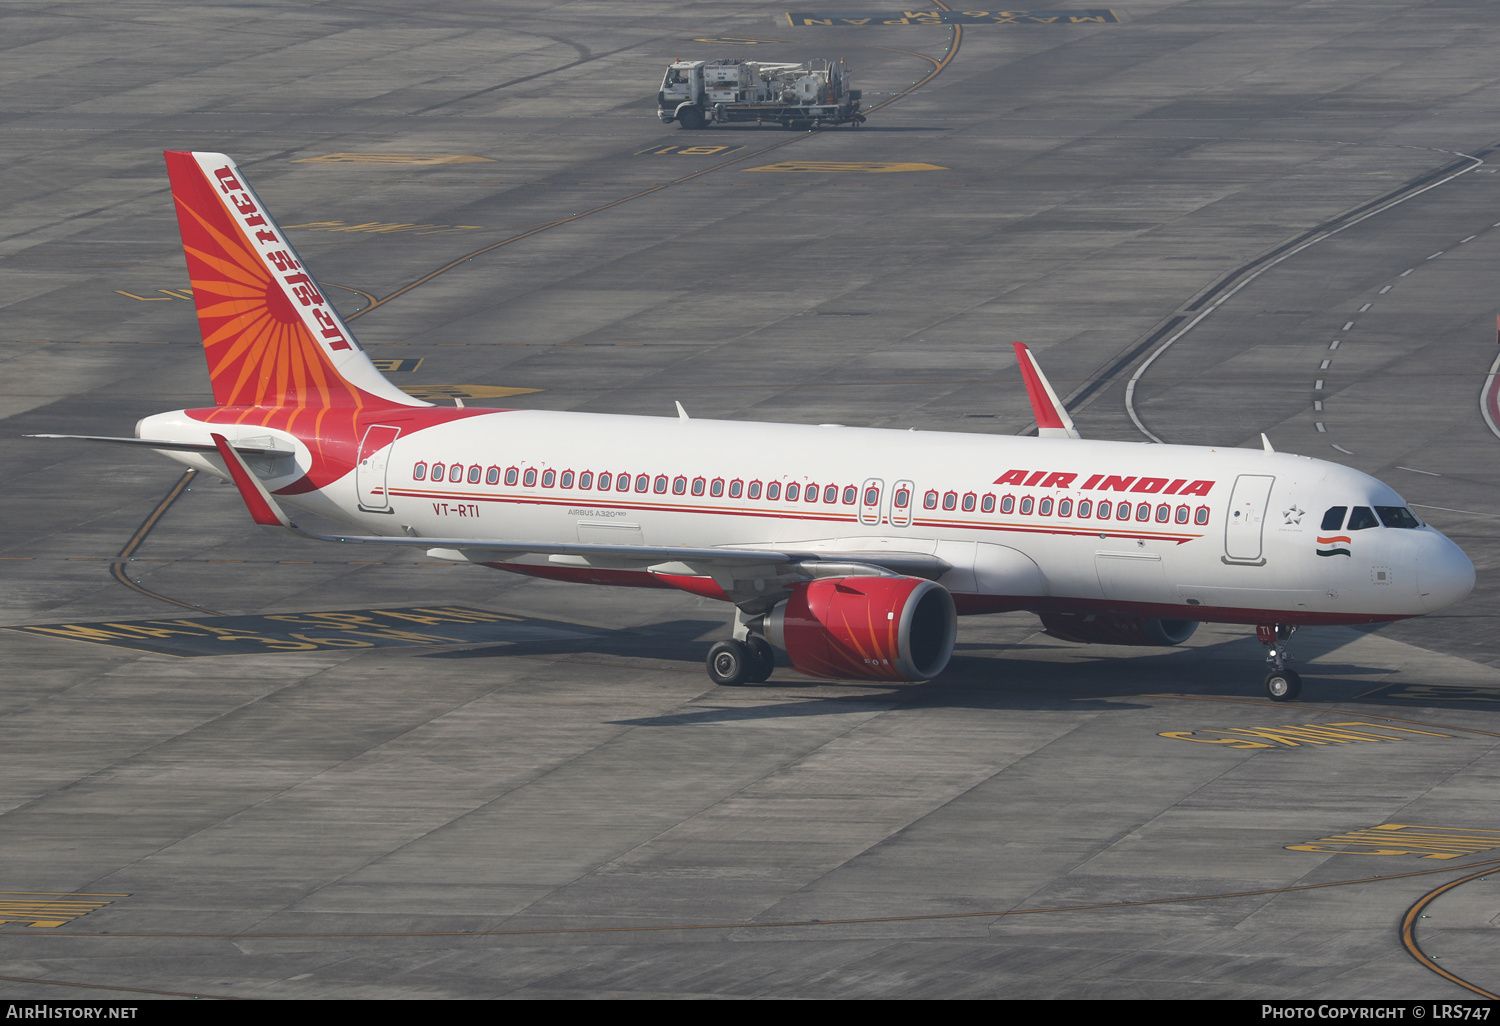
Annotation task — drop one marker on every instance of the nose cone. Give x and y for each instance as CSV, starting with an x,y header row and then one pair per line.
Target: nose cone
x,y
1444,574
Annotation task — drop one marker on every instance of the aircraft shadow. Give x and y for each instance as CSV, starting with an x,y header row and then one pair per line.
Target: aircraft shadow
x,y
1001,676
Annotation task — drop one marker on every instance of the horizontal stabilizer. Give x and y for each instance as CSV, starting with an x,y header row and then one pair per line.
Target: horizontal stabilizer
x,y
160,443
1052,420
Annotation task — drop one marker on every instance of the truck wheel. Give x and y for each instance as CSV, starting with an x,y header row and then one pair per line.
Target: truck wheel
x,y
691,119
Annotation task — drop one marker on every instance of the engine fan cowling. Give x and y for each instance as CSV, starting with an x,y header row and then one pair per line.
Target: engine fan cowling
x,y
866,628
1117,629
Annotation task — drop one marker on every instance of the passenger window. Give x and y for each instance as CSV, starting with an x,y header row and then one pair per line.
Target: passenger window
x,y
567,479
1085,507
456,472
474,473
1007,504
810,493
717,488
1045,509
969,500
831,493
1182,514
988,504
419,472
1397,516
529,478
1200,515
1026,504
950,500
1065,507
1122,511
1163,513
1361,518
512,475
549,478
1334,518
850,494
872,496
438,470
792,491
492,476
736,488
698,485
660,486
643,482
586,479
605,481
1105,508
1143,511
902,498
773,490
622,482
930,500
679,486
754,489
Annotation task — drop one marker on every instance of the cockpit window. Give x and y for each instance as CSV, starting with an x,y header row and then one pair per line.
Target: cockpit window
x,y
1397,516
1334,518
1361,518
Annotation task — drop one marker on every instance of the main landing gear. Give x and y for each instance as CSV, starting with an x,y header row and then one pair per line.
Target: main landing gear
x,y
741,662
1282,685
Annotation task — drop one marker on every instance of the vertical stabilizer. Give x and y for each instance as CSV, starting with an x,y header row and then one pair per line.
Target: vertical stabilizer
x,y
270,336
1052,420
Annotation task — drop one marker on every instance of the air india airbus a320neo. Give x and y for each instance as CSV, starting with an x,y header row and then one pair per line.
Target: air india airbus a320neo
x,y
851,549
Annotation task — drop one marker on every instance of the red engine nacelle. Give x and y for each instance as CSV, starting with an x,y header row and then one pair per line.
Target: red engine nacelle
x,y
1117,629
868,628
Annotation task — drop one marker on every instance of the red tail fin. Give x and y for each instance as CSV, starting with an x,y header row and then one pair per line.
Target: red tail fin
x,y
270,336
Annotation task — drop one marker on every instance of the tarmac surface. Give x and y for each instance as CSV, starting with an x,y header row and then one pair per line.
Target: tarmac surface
x,y
281,773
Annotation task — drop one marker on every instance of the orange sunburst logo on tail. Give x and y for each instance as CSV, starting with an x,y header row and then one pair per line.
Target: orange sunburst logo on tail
x,y
270,336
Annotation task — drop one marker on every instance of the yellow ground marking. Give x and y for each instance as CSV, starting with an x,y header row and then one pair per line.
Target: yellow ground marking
x,y
145,299
464,391
49,908
866,167
735,40
395,158
397,365
1295,736
1426,842
687,151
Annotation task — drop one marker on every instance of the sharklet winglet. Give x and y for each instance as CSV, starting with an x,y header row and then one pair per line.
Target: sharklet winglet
x,y
1052,420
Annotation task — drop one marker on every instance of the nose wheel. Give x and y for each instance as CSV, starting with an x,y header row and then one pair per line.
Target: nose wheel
x,y
1282,685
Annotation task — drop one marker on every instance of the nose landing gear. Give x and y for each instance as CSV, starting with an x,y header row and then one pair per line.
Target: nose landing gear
x,y
1282,685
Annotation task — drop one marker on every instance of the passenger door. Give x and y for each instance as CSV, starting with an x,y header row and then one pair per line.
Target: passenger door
x,y
370,473
1246,518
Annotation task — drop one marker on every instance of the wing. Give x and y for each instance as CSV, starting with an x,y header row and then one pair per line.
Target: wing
x,y
726,563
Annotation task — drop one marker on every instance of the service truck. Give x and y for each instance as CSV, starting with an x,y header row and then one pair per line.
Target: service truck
x,y
810,95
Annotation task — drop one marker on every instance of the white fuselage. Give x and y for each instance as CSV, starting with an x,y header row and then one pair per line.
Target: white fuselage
x,y
1211,534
